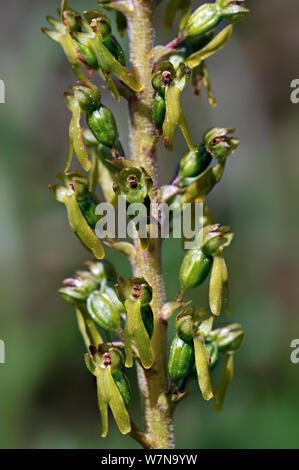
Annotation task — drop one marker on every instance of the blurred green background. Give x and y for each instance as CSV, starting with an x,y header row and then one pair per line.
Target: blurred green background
x,y
47,397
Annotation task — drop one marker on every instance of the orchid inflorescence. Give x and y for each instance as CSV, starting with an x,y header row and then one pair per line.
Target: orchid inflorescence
x,y
116,317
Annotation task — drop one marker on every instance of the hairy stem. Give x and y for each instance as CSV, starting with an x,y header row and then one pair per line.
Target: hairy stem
x,y
153,383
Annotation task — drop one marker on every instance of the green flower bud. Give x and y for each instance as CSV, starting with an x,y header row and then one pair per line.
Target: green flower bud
x,y
99,22
136,294
219,144
102,124
163,76
88,96
133,183
231,342
194,269
204,19
232,10
159,111
148,319
228,339
213,353
181,358
113,46
86,201
111,389
105,309
64,36
214,238
75,188
194,163
184,325
72,20
78,288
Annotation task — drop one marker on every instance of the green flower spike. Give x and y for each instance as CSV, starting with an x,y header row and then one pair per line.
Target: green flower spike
x,y
218,284
76,290
93,40
135,295
194,163
133,183
215,45
105,364
195,268
207,17
167,111
220,145
100,25
215,237
232,10
105,309
75,134
62,33
202,362
99,118
225,378
101,122
93,293
174,115
76,187
203,19
181,359
228,339
191,328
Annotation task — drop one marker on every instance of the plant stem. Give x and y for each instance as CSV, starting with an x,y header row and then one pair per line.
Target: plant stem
x,y
153,383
